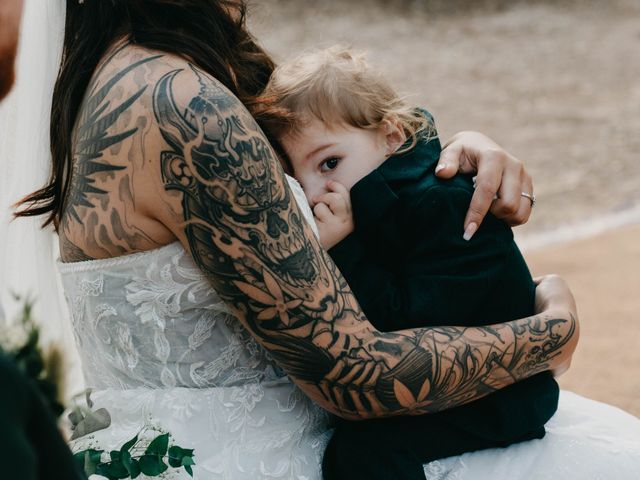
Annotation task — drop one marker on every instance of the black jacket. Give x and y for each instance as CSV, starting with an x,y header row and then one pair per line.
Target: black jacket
x,y
409,266
31,447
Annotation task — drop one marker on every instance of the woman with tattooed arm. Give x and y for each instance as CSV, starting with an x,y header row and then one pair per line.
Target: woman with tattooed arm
x,y
199,293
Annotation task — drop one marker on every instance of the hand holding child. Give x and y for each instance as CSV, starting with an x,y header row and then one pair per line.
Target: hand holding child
x,y
333,214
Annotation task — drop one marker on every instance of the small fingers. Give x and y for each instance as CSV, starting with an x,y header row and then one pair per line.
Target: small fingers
x,y
322,212
336,203
337,187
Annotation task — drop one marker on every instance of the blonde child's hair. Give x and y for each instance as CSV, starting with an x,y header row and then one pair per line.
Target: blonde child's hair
x,y
337,86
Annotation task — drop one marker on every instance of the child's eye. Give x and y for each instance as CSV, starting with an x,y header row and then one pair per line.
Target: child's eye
x,y
329,164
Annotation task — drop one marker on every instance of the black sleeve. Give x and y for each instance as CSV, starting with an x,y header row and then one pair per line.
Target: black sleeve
x,y
442,279
31,446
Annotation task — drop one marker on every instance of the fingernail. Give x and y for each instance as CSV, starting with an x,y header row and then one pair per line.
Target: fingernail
x,y
440,167
470,231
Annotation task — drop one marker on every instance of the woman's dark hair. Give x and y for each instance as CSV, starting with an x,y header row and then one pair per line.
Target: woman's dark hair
x,y
210,33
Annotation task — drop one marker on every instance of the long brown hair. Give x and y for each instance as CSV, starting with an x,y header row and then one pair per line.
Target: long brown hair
x,y
210,33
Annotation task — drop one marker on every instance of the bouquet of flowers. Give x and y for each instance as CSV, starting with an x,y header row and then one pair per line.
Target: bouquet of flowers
x,y
20,341
148,453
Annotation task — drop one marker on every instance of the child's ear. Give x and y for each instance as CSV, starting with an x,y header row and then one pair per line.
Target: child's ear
x,y
394,134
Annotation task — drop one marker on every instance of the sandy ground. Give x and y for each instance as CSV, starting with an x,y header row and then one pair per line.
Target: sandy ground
x,y
556,83
604,273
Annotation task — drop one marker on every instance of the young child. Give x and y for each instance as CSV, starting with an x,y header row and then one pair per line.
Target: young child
x,y
366,161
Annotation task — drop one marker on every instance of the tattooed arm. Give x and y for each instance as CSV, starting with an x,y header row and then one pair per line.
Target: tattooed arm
x,y
233,211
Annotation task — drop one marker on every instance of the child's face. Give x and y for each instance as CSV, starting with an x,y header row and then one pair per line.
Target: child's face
x,y
344,154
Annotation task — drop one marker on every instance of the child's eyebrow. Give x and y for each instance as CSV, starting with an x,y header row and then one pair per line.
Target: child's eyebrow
x,y
318,150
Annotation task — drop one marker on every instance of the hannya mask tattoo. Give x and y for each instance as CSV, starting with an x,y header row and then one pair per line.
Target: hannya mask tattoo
x,y
227,176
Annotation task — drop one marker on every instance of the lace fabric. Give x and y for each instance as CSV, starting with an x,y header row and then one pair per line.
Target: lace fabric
x,y
586,440
160,348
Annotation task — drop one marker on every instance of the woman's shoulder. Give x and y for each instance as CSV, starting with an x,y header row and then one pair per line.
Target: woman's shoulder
x,y
140,67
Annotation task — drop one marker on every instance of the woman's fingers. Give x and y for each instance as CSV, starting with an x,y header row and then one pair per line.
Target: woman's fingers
x,y
553,297
488,180
500,181
450,158
511,206
525,205
553,292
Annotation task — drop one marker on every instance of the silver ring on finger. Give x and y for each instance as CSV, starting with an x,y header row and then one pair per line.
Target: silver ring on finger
x,y
530,197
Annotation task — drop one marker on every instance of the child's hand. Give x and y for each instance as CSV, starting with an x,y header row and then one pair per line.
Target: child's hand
x,y
333,214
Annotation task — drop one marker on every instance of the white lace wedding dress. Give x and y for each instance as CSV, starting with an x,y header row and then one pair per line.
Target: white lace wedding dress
x,y
160,348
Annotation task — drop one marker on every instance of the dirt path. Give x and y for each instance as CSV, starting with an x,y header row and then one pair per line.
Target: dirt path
x,y
604,272
557,86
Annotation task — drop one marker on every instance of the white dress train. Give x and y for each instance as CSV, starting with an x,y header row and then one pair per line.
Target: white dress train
x,y
160,348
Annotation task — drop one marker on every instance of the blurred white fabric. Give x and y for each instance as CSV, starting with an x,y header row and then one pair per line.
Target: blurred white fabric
x,y
27,253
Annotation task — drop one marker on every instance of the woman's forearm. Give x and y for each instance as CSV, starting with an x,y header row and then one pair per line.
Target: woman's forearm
x,y
432,369
470,362
232,209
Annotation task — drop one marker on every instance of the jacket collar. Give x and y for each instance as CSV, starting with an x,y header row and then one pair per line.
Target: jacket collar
x,y
375,194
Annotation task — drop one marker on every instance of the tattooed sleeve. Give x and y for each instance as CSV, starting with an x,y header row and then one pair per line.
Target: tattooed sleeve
x,y
237,217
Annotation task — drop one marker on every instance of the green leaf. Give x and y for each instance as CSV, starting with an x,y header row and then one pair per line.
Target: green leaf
x,y
179,457
158,446
189,469
113,470
115,455
152,465
79,458
131,464
175,456
95,455
88,460
127,446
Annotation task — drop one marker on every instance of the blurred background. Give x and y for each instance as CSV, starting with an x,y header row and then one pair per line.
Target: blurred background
x,y
555,82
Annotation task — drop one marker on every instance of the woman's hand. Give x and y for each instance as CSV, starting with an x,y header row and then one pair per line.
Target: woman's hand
x,y
501,179
554,296
553,293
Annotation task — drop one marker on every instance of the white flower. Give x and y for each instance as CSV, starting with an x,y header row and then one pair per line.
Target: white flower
x,y
13,337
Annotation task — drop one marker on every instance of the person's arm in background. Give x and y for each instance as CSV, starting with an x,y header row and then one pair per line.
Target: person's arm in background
x,y
31,446
230,206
